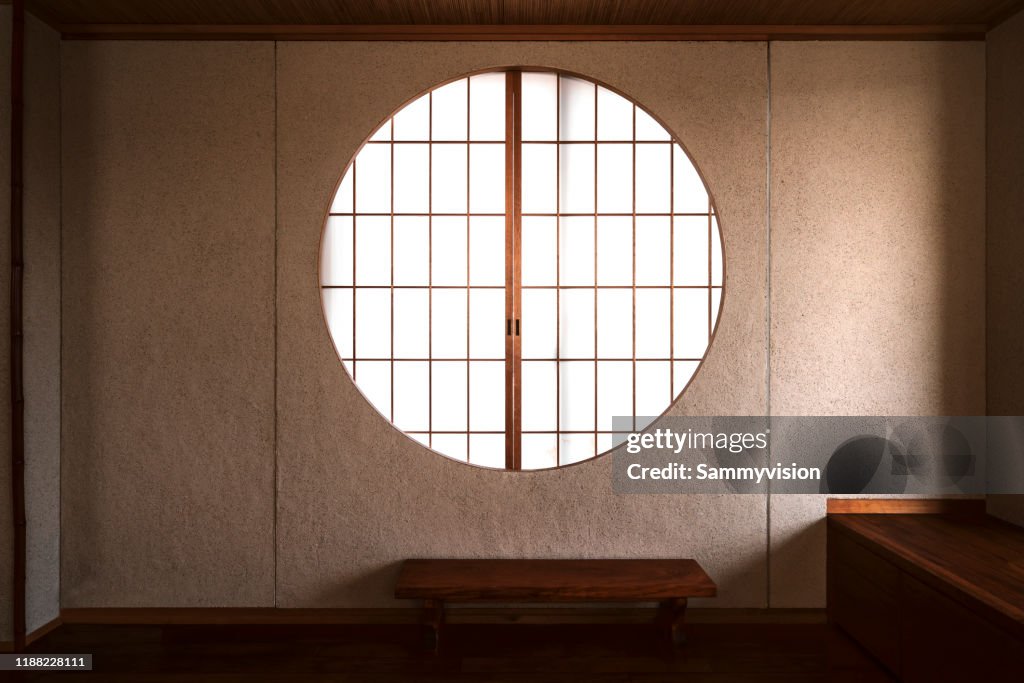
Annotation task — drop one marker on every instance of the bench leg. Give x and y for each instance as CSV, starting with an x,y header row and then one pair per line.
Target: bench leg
x,y
432,621
671,615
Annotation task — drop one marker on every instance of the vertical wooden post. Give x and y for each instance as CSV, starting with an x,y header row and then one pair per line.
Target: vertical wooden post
x,y
671,616
432,622
17,394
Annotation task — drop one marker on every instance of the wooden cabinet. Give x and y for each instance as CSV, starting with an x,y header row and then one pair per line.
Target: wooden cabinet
x,y
927,616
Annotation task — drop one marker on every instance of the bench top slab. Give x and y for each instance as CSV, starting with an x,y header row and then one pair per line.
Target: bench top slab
x,y
518,580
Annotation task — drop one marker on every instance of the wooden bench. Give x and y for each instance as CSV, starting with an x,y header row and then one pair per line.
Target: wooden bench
x,y
668,582
934,597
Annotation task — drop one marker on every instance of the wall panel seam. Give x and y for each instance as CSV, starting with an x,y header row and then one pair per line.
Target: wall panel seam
x,y
276,305
60,320
768,312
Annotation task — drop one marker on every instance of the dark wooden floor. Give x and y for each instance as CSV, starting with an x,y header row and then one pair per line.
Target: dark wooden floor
x,y
382,654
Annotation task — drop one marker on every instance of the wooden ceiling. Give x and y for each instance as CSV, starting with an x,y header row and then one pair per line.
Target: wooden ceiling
x,y
521,18
591,12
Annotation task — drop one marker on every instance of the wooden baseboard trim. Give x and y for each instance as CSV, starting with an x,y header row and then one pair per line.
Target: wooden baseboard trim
x,y
473,32
32,636
404,615
770,615
161,616
43,630
906,506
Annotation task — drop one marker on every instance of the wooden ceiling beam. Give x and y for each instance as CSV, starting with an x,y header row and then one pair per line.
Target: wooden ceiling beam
x,y
490,32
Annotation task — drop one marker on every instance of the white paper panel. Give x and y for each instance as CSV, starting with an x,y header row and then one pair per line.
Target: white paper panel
x,y
336,252
412,250
689,193
487,108
576,448
653,251
576,395
538,176
487,395
448,393
413,121
614,250
448,113
653,178
615,323
373,323
576,109
448,327
614,178
412,178
539,395
576,252
614,116
374,380
412,322
448,169
690,255
373,179
487,251
449,254
539,251
614,392
373,250
338,313
691,323
576,337
487,323
649,129
487,450
539,451
539,323
539,117
343,197
486,178
653,311
653,391
455,446
412,395
576,178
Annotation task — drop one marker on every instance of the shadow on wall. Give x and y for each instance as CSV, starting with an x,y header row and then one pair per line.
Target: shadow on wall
x,y
377,581
168,324
79,402
957,158
802,556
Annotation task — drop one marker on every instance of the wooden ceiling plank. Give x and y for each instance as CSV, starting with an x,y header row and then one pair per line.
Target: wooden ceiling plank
x,y
534,12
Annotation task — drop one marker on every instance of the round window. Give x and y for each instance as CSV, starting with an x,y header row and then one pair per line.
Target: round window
x,y
521,267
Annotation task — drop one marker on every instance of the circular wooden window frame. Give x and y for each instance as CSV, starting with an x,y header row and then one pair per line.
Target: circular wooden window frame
x,y
673,139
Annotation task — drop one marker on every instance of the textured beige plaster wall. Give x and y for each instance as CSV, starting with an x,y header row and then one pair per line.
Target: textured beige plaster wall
x,y
1005,365
168,324
355,497
42,321
169,267
6,530
877,251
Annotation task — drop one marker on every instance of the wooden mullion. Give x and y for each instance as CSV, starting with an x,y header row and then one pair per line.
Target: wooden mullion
x,y
511,91
517,270
469,268
430,268
558,269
